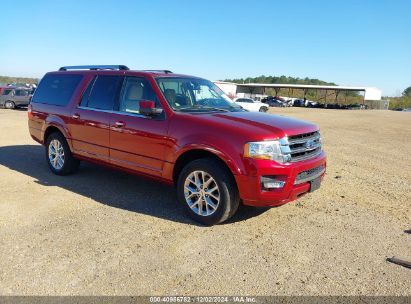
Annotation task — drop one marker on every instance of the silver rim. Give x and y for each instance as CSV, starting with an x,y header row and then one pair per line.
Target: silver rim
x,y
201,193
9,105
56,154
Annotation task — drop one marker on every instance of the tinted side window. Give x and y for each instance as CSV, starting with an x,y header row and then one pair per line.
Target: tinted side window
x,y
134,90
104,91
56,89
21,93
86,94
7,91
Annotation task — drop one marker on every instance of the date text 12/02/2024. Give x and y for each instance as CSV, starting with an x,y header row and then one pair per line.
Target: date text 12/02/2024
x,y
199,299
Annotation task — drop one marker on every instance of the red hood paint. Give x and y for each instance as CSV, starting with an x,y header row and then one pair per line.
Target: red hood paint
x,y
255,126
274,123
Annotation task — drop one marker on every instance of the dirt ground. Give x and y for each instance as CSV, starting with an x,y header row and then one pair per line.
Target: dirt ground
x,y
101,232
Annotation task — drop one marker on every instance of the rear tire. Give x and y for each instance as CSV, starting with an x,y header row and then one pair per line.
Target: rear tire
x,y
208,191
58,155
263,109
9,104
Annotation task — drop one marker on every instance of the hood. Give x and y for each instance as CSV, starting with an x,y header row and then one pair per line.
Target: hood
x,y
259,125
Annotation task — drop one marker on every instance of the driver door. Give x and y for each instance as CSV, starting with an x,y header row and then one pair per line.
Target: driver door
x,y
137,142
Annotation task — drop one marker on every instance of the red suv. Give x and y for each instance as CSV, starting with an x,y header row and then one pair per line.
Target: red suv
x,y
179,129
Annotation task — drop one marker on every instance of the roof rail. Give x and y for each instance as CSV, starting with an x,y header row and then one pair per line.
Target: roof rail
x,y
161,71
94,67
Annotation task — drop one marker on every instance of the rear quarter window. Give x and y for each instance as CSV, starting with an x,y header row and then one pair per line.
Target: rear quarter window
x,y
7,91
56,89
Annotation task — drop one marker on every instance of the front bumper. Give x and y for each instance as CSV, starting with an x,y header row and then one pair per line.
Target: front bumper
x,y
250,189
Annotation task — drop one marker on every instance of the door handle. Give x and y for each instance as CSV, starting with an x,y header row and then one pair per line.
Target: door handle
x,y
75,116
119,124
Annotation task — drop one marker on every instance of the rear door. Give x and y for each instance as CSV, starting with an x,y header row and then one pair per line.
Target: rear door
x,y
137,142
21,97
90,120
6,94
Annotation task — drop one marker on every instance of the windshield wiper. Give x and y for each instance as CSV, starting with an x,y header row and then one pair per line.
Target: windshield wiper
x,y
216,109
237,108
202,108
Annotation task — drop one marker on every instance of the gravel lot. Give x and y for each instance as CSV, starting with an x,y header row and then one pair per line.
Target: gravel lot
x,y
101,232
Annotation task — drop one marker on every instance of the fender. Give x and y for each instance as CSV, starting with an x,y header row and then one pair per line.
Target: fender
x,y
234,166
57,122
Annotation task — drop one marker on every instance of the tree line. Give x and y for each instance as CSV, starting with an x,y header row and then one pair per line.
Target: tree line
x,y
280,79
20,80
401,102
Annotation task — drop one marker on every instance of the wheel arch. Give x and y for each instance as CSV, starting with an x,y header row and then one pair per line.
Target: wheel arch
x,y
190,155
51,128
55,123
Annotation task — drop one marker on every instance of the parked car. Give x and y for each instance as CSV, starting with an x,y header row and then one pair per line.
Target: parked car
x,y
311,104
276,103
178,129
265,99
273,102
279,98
251,105
12,97
299,103
2,88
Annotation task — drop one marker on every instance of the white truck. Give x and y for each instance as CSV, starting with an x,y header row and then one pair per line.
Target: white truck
x,y
251,105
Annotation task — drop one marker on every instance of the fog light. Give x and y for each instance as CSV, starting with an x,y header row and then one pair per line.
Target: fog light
x,y
272,182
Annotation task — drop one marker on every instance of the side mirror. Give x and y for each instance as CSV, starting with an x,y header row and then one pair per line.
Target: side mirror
x,y
147,108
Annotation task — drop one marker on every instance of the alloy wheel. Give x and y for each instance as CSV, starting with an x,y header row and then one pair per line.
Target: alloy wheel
x,y
9,105
56,154
201,193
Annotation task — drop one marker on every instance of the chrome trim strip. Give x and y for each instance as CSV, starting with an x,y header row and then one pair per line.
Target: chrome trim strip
x,y
304,149
303,140
96,110
117,112
305,157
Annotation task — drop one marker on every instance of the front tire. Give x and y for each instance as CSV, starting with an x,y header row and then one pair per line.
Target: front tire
x,y
58,155
9,105
263,109
208,191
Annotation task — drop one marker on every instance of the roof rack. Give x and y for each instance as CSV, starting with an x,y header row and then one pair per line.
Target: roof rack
x,y
94,67
161,71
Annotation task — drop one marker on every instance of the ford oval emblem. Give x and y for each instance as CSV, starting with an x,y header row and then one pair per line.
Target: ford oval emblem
x,y
310,143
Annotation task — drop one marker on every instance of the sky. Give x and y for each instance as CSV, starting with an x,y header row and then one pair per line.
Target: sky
x,y
349,42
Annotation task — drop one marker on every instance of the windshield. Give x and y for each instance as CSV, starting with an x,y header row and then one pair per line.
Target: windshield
x,y
195,95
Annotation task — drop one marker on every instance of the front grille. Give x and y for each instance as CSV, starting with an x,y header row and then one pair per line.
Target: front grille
x,y
308,175
304,146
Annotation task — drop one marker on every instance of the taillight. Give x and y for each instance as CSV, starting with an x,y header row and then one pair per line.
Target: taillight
x,y
29,112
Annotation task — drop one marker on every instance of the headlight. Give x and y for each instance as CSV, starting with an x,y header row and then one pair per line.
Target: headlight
x,y
277,150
